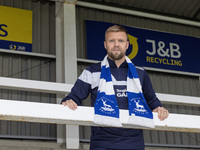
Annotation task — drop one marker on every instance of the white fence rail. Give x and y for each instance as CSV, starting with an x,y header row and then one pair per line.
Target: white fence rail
x,y
58,114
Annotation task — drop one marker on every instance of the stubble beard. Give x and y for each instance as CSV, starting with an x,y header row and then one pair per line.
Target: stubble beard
x,y
116,56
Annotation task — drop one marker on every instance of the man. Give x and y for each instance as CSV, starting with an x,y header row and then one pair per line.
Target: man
x,y
107,138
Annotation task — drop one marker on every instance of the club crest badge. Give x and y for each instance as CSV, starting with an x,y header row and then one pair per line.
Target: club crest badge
x,y
106,106
137,106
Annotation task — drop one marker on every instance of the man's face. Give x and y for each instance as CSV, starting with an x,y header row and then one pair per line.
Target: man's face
x,y
116,45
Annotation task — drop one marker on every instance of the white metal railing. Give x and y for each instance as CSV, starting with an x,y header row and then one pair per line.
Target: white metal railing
x,y
58,114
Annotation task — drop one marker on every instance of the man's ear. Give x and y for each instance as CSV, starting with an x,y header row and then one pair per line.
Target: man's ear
x,y
127,45
105,44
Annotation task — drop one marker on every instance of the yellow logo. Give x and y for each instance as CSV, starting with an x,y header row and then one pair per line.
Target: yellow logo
x,y
134,43
12,47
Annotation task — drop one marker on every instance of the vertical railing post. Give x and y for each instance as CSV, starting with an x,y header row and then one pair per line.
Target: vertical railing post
x,y
66,61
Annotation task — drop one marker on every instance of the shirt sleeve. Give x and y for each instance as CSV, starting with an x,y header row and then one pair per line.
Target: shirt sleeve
x,y
149,93
81,88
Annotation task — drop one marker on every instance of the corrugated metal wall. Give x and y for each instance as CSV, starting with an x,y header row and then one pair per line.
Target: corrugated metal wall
x,y
30,67
162,82
38,68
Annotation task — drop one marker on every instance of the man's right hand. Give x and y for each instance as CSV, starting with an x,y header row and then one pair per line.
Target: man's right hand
x,y
70,103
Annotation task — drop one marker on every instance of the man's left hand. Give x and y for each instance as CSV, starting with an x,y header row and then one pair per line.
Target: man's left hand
x,y
162,113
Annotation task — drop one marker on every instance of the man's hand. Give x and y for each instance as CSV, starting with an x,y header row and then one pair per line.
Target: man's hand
x,y
70,103
162,113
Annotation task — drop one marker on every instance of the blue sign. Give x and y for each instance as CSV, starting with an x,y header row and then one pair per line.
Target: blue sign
x,y
149,48
18,46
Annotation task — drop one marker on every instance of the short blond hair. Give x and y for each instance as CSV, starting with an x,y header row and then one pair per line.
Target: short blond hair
x,y
116,28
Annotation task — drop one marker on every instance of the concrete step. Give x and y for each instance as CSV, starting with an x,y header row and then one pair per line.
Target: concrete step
x,y
29,145
8,144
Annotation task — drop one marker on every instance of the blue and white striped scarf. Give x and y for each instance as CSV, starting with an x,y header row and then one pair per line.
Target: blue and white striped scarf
x,y
106,107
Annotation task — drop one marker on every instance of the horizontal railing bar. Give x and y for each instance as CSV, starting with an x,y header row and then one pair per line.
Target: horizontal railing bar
x,y
172,145
157,145
62,88
59,114
28,137
178,99
7,51
35,86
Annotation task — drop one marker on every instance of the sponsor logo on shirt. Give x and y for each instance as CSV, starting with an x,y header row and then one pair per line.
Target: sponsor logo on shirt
x,y
121,93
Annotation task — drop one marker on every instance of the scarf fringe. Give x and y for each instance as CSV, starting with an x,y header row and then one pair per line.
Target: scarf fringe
x,y
107,121
141,121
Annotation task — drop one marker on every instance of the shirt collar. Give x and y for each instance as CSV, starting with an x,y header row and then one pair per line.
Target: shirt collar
x,y
112,63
